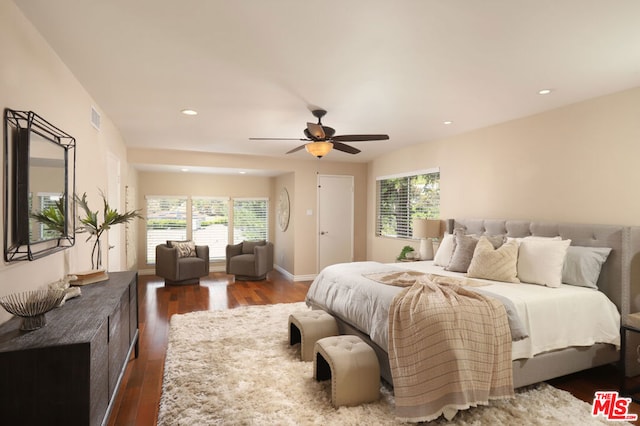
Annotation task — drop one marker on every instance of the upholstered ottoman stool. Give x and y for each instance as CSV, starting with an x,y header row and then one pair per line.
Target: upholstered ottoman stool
x,y
352,366
307,327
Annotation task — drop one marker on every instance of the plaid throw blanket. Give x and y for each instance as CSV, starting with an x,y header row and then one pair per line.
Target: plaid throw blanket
x,y
449,349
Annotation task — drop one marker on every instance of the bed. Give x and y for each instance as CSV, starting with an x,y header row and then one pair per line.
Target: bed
x,y
340,290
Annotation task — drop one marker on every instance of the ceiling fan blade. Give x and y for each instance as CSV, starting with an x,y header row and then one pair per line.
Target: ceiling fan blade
x,y
360,138
277,139
316,130
345,148
296,149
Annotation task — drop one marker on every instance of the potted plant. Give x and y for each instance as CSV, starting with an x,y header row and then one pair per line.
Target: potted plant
x,y
91,224
403,253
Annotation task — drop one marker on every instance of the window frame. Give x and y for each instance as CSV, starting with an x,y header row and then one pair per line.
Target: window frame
x,y
403,229
150,257
265,234
213,249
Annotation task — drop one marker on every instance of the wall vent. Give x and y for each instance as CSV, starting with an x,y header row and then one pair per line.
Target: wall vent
x,y
95,118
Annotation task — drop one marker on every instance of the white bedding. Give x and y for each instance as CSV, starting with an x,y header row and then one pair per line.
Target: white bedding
x,y
555,317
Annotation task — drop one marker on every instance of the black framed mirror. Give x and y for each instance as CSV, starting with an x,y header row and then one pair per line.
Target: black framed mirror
x,y
39,183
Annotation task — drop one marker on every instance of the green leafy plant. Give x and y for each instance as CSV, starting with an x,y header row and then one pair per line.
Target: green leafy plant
x,y
90,223
403,253
53,217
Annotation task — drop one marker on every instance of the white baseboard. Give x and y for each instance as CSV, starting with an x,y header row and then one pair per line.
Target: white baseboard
x,y
284,272
292,277
309,277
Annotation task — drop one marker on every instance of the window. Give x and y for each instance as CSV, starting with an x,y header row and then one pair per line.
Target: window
x,y
250,219
166,220
403,198
210,224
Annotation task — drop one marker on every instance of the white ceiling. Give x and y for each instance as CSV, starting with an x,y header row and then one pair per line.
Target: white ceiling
x,y
254,68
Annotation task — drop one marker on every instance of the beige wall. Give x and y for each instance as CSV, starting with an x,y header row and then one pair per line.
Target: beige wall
x,y
299,251
284,243
32,77
574,164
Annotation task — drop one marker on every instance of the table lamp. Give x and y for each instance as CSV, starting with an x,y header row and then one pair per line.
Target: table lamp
x,y
425,230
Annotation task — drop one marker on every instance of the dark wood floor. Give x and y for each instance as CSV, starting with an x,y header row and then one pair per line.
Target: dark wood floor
x,y
139,395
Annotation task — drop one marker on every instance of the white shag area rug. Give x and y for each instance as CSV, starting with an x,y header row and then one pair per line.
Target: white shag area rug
x,y
236,367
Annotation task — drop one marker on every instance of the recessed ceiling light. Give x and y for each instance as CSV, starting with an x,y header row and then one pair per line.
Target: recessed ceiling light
x,y
184,170
189,112
447,122
544,91
242,172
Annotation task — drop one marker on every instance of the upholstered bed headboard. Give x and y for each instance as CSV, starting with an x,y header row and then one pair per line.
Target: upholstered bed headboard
x,y
614,278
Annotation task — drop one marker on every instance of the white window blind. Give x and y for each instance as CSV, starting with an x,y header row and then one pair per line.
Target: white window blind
x,y
210,224
166,220
404,198
250,219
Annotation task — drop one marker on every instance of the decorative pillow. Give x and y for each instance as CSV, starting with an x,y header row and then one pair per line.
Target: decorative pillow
x,y
497,264
185,248
172,243
583,264
540,261
496,240
463,247
444,252
248,246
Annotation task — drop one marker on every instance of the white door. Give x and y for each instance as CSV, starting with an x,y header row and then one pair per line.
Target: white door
x,y
335,220
113,198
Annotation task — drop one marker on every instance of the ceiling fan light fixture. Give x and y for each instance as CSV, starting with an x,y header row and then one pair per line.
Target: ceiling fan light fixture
x,y
320,140
319,149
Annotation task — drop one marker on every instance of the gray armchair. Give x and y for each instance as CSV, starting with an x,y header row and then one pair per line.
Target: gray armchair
x,y
250,260
181,270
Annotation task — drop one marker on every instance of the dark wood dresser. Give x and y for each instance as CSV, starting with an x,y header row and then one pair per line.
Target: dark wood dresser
x,y
68,371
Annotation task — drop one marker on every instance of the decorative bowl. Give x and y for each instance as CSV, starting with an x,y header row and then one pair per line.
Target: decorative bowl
x,y
32,305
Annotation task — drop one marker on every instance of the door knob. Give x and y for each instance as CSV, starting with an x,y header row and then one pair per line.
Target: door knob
x,y
323,232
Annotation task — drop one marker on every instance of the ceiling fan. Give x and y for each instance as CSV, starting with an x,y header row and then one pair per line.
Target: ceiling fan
x,y
322,139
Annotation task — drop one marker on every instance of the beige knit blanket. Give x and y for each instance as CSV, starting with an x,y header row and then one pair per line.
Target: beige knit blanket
x,y
449,349
409,277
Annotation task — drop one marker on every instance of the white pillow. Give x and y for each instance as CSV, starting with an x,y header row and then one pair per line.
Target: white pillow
x,y
540,261
532,237
444,252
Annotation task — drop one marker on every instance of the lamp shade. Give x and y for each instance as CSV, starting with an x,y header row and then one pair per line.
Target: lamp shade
x,y
319,149
426,228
